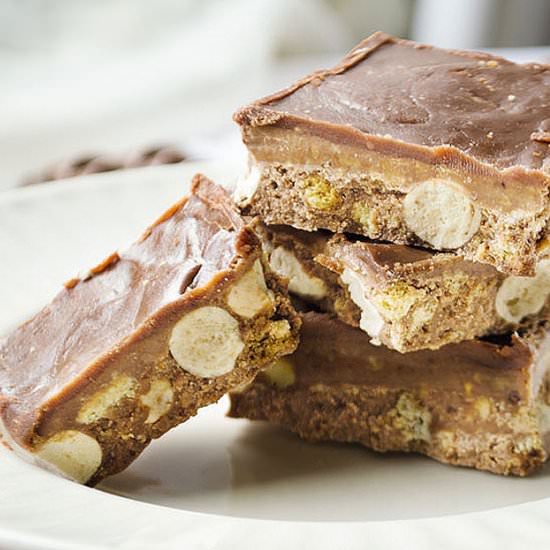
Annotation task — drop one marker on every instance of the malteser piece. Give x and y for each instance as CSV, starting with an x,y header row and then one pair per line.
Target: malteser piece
x,y
371,321
301,283
291,254
206,342
73,453
147,338
158,400
482,404
281,374
250,295
518,297
99,404
441,216
409,144
409,299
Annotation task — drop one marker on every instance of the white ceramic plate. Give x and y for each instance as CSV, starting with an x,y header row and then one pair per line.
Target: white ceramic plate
x,y
215,482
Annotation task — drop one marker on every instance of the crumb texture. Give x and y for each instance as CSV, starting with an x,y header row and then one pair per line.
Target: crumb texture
x,y
324,197
487,435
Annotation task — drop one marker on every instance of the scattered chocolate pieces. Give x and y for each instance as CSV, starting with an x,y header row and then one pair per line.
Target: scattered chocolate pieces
x,y
93,164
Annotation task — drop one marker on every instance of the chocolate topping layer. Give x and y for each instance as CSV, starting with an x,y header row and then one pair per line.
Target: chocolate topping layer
x,y
493,368
122,299
491,109
394,262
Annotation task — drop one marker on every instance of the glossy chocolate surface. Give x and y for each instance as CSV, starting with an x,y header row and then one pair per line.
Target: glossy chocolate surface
x,y
190,246
495,111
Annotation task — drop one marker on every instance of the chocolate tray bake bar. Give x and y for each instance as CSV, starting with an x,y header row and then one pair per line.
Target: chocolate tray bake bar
x,y
403,297
410,144
482,403
143,340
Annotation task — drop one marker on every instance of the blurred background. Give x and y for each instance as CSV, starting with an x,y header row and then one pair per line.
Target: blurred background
x,y
131,82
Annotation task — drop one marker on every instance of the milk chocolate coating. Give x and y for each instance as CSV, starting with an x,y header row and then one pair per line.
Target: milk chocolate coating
x,y
492,110
394,262
494,368
121,300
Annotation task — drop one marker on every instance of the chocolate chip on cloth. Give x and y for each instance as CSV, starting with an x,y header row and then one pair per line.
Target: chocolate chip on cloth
x,y
93,164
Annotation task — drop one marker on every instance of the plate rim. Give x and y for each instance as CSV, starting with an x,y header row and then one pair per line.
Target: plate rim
x,y
178,527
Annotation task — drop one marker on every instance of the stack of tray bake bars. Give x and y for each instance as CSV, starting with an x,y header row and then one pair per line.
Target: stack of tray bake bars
x,y
405,196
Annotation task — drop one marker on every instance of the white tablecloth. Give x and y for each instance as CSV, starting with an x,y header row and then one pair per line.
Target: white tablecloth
x,y
112,75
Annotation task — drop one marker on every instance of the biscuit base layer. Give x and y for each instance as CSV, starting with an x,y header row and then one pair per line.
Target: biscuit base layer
x,y
313,197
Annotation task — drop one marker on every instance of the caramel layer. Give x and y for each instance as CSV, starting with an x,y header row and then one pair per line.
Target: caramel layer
x,y
426,106
332,352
